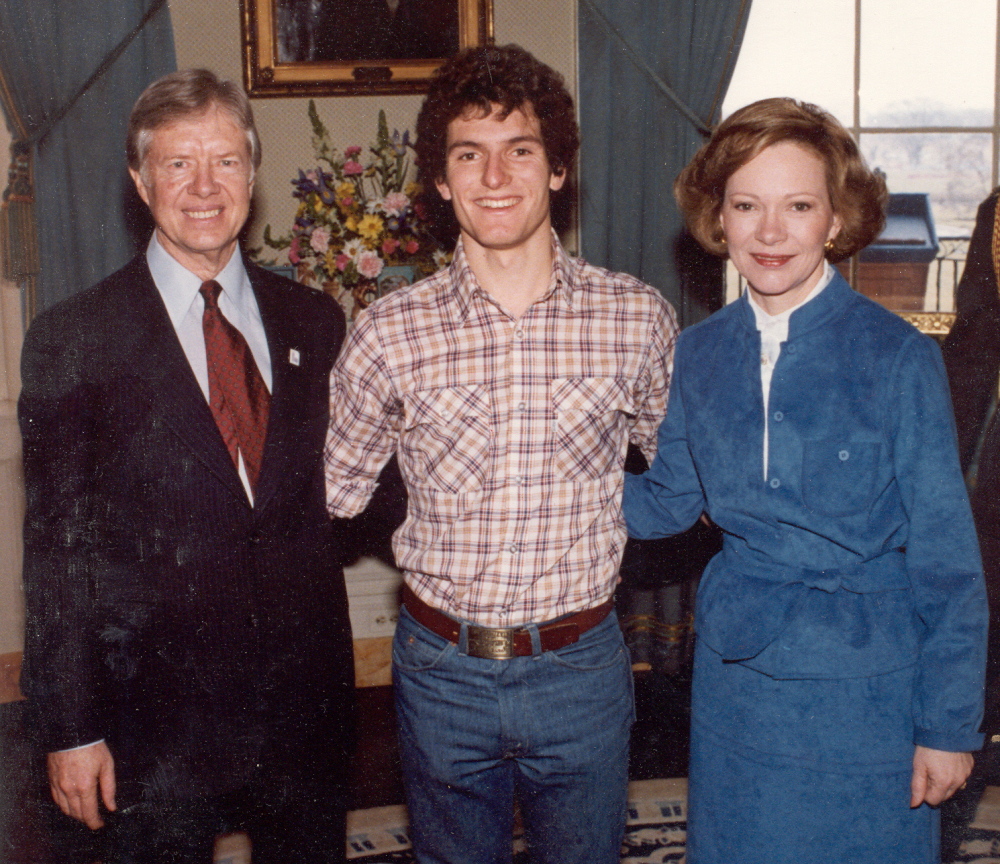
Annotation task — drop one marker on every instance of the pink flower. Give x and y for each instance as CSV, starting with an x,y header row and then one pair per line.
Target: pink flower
x,y
320,240
293,251
394,203
352,168
342,261
352,152
389,245
411,247
369,264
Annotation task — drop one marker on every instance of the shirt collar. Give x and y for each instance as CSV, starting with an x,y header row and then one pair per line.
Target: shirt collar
x,y
465,286
766,321
179,287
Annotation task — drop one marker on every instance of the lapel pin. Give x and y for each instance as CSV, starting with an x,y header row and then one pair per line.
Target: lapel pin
x,y
294,357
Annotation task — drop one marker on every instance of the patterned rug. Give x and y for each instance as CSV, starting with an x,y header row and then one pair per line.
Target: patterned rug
x,y
982,838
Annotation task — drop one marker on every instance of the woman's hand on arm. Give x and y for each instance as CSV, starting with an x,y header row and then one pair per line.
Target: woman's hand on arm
x,y
937,775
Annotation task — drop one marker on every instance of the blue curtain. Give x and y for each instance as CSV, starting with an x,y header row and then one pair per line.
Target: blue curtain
x,y
653,74
70,71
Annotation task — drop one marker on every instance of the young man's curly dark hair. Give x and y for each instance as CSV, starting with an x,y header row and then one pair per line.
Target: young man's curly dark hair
x,y
504,75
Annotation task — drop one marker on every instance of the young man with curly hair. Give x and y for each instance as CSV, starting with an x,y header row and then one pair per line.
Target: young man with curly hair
x,y
510,386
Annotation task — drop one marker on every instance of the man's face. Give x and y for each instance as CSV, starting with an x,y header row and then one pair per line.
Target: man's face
x,y
498,178
197,179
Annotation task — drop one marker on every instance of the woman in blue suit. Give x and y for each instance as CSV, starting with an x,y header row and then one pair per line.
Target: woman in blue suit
x,y
841,631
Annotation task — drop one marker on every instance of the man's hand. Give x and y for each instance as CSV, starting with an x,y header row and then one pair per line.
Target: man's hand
x,y
937,775
75,777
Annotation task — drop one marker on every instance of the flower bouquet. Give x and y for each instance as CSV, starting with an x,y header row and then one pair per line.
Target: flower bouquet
x,y
360,230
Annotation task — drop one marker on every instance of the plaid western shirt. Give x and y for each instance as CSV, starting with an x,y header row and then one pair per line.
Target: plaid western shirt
x,y
511,434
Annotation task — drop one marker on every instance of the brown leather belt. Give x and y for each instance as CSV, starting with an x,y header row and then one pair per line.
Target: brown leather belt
x,y
503,643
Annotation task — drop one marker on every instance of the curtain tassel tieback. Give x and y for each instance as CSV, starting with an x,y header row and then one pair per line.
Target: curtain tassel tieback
x,y
18,240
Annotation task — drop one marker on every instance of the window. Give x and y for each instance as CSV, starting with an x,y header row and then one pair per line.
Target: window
x,y
914,81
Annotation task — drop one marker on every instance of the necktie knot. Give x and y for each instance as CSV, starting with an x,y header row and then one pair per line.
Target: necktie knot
x,y
211,290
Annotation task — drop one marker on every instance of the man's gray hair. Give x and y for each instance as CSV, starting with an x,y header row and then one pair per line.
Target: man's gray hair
x,y
180,96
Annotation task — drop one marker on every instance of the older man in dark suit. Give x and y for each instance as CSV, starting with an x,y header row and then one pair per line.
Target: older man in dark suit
x,y
188,647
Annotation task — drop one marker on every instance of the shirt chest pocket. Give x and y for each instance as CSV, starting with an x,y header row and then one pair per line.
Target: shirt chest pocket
x,y
591,416
446,442
839,477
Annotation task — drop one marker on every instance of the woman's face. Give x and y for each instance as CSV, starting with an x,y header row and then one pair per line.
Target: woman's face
x,y
776,217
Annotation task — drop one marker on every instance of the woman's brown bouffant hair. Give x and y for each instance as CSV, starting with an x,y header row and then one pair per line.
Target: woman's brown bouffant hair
x,y
858,195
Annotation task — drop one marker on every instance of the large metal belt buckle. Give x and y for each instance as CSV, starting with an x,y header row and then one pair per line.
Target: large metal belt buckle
x,y
491,643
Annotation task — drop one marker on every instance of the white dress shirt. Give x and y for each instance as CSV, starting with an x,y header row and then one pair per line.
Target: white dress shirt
x,y
180,290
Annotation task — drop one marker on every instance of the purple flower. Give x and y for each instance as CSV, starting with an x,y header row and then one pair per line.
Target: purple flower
x,y
399,146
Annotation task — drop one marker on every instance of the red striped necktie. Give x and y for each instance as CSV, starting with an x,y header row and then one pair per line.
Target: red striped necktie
x,y
236,390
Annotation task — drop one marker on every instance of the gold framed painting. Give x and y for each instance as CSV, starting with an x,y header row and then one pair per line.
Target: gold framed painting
x,y
355,47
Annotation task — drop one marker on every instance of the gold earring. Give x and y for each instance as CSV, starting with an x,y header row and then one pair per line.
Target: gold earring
x,y
828,245
722,240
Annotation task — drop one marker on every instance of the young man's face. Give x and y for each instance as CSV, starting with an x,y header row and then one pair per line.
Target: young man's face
x,y
498,178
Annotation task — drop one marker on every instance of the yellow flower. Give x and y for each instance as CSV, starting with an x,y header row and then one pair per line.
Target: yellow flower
x,y
370,226
346,190
351,224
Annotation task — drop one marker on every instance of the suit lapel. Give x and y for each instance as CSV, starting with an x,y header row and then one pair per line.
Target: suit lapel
x,y
285,396
162,370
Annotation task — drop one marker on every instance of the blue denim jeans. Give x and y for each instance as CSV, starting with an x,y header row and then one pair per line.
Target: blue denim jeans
x,y
551,729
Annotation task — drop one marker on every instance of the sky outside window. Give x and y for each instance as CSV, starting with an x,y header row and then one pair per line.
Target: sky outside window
x,y
799,49
927,63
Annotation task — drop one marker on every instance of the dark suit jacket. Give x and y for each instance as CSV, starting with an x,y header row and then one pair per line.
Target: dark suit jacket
x,y
198,635
972,348
972,358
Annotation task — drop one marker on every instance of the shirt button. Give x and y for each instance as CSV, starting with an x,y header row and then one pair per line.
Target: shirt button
x,y
775,483
518,334
778,416
790,349
514,548
521,406
518,480
843,455
763,359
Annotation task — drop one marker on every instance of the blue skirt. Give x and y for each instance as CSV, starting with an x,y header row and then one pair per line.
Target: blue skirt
x,y
784,772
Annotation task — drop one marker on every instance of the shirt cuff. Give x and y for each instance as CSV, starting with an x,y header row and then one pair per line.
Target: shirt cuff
x,y
349,499
80,746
